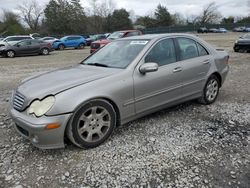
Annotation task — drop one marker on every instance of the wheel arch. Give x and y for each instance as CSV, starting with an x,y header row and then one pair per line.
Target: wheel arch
x,y
114,105
219,77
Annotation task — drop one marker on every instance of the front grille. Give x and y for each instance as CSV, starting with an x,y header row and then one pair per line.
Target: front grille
x,y
18,101
95,45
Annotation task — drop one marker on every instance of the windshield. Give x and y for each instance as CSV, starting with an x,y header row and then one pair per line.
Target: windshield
x,y
117,54
63,38
116,35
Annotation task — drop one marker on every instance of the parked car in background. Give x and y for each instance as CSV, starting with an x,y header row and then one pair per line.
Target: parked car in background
x,y
243,43
93,38
72,41
25,47
13,39
35,35
202,30
50,40
222,30
127,79
241,29
213,30
116,35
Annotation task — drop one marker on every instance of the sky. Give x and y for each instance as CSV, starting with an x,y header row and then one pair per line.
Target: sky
x,y
146,7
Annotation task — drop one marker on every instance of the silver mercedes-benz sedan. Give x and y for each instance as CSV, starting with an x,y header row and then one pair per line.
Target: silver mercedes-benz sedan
x,y
127,79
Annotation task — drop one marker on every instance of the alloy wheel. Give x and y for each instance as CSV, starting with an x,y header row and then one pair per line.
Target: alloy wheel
x,y
212,89
94,124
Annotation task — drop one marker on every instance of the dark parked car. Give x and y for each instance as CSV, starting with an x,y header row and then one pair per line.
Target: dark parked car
x,y
25,47
202,30
243,44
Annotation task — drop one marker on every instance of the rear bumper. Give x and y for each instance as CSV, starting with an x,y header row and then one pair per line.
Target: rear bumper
x,y
224,74
33,129
241,46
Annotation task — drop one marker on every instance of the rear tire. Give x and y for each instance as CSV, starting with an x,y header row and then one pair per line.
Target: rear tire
x,y
92,124
45,51
10,53
210,91
81,46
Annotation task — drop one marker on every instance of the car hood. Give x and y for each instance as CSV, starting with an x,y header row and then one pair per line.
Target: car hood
x,y
54,82
244,41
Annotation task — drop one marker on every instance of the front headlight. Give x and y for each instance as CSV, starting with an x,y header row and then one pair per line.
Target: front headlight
x,y
39,108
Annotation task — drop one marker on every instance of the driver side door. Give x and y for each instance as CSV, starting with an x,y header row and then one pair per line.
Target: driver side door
x,y
155,89
23,47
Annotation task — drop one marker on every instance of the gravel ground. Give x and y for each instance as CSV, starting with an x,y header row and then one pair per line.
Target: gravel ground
x,y
189,145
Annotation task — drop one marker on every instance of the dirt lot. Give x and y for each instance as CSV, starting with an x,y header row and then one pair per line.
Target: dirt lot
x,y
189,145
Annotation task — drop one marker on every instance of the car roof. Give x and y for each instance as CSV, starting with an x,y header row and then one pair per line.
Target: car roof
x,y
155,36
124,31
19,36
73,36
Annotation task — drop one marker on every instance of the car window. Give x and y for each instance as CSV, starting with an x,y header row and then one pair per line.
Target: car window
x,y
134,33
24,43
188,48
162,53
202,51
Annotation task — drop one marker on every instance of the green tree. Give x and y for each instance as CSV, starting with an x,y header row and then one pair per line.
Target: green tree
x,y
146,21
65,17
162,16
245,20
119,20
11,24
228,20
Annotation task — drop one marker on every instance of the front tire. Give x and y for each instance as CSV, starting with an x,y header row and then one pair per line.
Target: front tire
x,y
92,124
210,91
61,47
10,53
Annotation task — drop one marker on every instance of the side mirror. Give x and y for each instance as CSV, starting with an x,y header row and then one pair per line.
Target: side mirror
x,y
148,67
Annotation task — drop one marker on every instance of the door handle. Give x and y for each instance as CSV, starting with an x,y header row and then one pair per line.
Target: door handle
x,y
206,61
177,69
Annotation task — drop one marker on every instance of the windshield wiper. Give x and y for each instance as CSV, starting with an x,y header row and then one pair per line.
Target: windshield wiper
x,y
97,64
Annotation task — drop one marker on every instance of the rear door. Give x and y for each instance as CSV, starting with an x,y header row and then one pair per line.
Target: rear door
x,y
35,46
195,63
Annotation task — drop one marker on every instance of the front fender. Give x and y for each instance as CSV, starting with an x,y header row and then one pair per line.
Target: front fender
x,y
109,88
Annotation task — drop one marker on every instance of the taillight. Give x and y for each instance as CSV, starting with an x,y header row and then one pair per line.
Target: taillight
x,y
227,59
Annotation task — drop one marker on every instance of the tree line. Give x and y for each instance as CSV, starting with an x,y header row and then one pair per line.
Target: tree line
x,y
61,17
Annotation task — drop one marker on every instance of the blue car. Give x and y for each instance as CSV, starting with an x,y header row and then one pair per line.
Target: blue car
x,y
72,41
